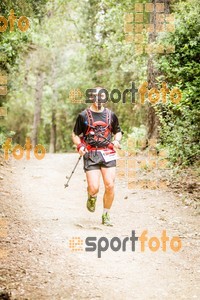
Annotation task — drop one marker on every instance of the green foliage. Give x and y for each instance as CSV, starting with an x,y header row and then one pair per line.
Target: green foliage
x,y
13,45
136,139
78,45
180,124
110,60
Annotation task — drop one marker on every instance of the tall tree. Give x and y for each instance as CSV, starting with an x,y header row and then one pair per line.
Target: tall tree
x,y
38,106
152,72
52,147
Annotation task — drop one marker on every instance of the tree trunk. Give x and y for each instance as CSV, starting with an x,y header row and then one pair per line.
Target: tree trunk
x,y
152,73
38,105
52,147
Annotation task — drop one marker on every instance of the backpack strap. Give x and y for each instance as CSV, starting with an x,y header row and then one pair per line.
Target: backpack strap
x,y
90,119
108,117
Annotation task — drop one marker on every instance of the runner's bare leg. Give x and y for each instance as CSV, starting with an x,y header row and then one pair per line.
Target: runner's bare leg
x,y
93,181
108,175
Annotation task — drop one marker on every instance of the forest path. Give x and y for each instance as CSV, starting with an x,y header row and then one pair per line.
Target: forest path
x,y
42,217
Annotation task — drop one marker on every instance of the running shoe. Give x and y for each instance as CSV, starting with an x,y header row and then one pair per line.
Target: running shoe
x,y
106,220
91,202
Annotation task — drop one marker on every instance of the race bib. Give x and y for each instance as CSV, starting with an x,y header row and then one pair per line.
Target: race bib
x,y
109,155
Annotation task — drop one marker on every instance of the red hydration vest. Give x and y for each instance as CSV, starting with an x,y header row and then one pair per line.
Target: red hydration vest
x,y
98,134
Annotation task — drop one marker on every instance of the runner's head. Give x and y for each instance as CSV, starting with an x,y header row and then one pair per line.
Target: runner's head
x,y
99,96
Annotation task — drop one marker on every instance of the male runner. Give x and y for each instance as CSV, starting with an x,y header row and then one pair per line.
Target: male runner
x,y
92,135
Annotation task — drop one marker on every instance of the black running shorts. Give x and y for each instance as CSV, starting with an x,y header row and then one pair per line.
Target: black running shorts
x,y
93,160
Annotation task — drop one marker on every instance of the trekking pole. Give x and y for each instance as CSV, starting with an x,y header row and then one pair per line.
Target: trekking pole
x,y
67,184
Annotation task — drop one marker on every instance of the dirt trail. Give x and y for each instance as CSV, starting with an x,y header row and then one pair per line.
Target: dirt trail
x,y
42,217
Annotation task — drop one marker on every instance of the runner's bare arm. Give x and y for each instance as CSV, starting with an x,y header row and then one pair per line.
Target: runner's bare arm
x,y
117,139
77,141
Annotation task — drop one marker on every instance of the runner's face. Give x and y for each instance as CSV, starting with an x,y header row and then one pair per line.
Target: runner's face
x,y
98,98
